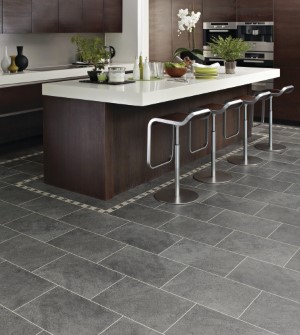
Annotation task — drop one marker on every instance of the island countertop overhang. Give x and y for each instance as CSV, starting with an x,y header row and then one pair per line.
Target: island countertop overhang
x,y
145,93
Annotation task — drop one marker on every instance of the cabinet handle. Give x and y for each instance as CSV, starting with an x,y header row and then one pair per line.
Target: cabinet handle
x,y
218,30
27,111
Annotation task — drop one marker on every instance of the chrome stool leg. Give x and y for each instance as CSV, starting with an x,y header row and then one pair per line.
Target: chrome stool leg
x,y
176,195
245,160
216,176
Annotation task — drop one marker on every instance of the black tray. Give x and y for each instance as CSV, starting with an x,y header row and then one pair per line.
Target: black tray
x,y
106,82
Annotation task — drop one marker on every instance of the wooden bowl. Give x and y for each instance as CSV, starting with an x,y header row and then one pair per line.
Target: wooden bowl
x,y
176,71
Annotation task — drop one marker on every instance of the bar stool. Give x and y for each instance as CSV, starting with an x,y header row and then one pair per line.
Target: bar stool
x,y
245,159
270,146
177,195
218,176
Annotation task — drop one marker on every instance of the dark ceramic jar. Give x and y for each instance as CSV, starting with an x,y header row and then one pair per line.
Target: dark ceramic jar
x,y
21,60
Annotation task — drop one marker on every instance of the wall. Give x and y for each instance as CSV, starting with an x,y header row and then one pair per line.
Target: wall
x,y
41,49
135,36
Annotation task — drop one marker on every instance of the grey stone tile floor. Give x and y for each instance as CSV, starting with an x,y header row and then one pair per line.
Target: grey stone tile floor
x,y
227,264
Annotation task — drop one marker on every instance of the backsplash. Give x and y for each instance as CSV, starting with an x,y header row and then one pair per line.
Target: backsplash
x,y
42,49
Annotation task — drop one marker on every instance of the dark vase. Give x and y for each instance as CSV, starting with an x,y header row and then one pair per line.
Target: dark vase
x,y
21,60
93,75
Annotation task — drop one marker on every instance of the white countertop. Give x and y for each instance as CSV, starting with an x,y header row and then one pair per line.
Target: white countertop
x,y
31,77
143,93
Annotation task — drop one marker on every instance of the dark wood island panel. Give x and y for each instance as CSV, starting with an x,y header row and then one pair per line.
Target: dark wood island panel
x,y
99,149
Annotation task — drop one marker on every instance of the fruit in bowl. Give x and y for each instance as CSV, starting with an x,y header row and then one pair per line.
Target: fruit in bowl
x,y
175,69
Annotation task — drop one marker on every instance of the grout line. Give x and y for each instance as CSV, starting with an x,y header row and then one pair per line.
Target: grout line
x,y
224,238
179,273
265,205
105,329
229,273
290,259
107,288
103,259
54,260
239,317
175,243
268,237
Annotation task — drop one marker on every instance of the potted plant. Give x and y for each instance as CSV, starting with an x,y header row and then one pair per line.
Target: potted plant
x,y
230,49
92,51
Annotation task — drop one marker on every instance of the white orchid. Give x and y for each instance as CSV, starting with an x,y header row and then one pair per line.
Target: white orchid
x,y
187,20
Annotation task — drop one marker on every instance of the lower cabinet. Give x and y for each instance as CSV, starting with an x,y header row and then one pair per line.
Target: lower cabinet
x,y
21,114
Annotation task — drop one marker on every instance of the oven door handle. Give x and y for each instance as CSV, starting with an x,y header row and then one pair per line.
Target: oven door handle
x,y
253,61
218,30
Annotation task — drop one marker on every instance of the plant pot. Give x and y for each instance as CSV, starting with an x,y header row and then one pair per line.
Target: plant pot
x,y
93,75
21,60
230,67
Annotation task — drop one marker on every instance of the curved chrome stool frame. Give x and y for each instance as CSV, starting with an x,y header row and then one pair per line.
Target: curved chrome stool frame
x,y
176,195
245,159
270,146
218,176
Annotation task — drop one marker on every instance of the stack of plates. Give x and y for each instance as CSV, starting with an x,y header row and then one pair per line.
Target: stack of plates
x,y
205,72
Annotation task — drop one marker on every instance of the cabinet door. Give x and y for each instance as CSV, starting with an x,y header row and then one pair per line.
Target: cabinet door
x,y
255,10
160,30
70,16
286,57
44,16
0,16
16,16
112,16
219,10
182,41
92,16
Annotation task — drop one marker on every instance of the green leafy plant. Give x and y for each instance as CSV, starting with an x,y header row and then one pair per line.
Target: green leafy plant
x,y
229,48
91,50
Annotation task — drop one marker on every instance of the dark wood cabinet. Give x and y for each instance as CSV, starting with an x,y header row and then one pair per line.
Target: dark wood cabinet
x,y
16,16
92,16
0,16
112,16
219,10
254,10
286,57
160,24
70,16
44,16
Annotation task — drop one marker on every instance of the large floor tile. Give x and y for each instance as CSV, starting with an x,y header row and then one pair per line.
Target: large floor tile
x,y
294,189
5,172
87,245
280,214
129,327
28,253
6,234
196,230
279,166
193,210
289,177
228,188
78,275
294,263
142,265
18,286
203,256
272,156
52,208
259,248
95,222
267,184
287,234
62,312
234,203
275,198
16,195
145,304
143,237
144,215
212,291
275,314
31,168
262,172
246,223
16,178
40,227
12,324
200,320
268,277
10,212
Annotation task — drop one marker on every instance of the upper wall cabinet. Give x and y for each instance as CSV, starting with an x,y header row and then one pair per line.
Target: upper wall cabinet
x,y
44,16
0,16
254,10
70,16
92,16
17,16
112,16
219,10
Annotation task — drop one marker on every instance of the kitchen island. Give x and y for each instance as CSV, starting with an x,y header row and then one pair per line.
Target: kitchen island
x,y
95,134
